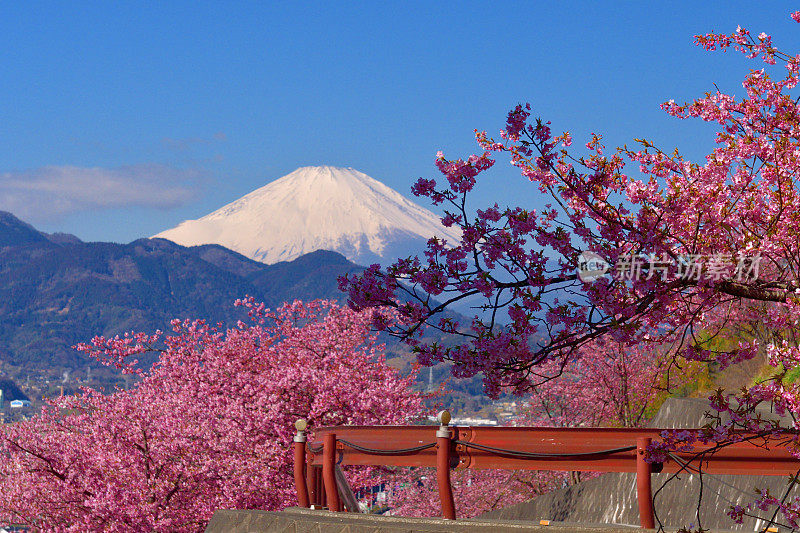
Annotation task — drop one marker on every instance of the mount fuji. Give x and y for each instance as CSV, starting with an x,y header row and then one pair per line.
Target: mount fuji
x,y
317,208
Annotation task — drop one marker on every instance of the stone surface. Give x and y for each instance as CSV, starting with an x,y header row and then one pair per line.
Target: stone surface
x,y
298,520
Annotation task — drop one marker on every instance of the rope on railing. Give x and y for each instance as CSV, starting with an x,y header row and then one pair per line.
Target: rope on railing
x,y
400,451
375,451
482,447
533,455
315,449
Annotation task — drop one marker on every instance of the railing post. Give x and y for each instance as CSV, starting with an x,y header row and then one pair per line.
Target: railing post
x,y
443,467
644,490
300,463
329,472
312,482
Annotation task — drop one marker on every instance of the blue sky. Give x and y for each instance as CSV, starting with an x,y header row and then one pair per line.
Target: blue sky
x,y
119,121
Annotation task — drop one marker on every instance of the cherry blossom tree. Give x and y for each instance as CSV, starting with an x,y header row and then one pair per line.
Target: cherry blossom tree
x,y
209,426
682,240
610,384
635,245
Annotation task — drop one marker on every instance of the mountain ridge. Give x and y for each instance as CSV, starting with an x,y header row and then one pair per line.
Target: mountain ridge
x,y
56,294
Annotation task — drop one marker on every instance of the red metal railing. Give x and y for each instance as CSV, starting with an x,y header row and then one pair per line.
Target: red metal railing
x,y
511,448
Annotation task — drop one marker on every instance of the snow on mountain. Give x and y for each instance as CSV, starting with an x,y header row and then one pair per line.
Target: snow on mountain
x,y
317,208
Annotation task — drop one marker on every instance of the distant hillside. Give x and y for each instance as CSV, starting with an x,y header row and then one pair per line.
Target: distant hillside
x,y
56,290
11,390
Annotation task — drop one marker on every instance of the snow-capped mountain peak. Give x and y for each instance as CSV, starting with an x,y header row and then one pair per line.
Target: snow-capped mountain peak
x,y
317,208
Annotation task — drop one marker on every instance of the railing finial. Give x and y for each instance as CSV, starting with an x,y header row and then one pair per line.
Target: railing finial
x,y
444,419
300,426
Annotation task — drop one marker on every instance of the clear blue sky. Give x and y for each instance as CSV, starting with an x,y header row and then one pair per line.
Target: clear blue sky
x,y
119,121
